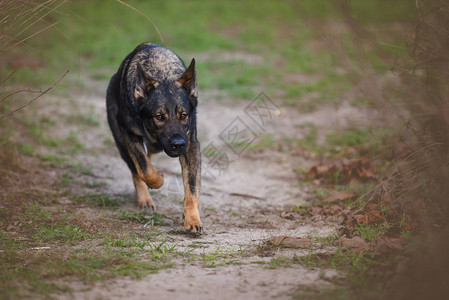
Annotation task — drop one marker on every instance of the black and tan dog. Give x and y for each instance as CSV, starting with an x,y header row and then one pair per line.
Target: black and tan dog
x,y
151,106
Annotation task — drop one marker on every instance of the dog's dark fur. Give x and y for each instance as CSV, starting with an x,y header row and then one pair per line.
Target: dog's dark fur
x,y
151,106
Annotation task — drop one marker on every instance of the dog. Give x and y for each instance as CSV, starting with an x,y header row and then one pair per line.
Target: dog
x,y
151,107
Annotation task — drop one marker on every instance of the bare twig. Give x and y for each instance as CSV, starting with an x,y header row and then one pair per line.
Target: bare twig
x,y
7,78
37,97
246,196
18,92
42,6
30,36
142,14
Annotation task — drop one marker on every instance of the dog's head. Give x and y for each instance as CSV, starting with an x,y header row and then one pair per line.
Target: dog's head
x,y
167,109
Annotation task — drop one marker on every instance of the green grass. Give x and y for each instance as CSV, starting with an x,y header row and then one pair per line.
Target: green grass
x,y
85,119
309,141
370,232
125,242
27,269
106,31
363,269
266,141
67,234
218,257
89,266
374,141
59,148
142,217
355,136
99,200
52,160
82,169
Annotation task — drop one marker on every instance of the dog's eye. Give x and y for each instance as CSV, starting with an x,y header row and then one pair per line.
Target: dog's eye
x,y
160,117
183,116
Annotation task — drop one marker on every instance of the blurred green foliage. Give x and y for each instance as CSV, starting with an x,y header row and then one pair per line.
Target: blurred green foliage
x,y
93,37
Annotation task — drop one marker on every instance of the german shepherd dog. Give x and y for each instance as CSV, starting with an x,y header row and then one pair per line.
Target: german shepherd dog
x,y
151,106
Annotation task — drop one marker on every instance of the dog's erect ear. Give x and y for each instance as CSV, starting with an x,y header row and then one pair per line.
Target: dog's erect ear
x,y
188,80
144,83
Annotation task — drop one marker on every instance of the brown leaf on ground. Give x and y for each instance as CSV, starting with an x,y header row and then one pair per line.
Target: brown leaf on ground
x,y
353,171
333,210
359,170
315,210
291,241
356,243
320,171
348,230
372,214
339,196
360,219
291,215
386,244
277,240
366,173
371,206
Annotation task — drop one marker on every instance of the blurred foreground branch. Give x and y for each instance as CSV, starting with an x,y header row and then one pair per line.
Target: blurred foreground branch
x,y
41,93
22,20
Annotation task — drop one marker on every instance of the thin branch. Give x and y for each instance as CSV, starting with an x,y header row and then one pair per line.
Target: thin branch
x,y
18,92
30,36
35,98
142,14
41,7
9,77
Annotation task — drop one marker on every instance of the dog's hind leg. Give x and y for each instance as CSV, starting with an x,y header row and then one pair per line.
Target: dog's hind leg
x,y
191,175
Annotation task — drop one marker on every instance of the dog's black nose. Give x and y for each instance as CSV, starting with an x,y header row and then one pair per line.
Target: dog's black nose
x,y
177,143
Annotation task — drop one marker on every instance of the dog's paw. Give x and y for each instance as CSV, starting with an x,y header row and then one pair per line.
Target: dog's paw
x,y
192,221
156,181
146,203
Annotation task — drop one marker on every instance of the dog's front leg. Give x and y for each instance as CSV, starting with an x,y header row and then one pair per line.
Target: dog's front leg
x,y
191,175
145,171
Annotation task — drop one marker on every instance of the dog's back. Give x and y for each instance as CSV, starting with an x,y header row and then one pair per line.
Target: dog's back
x,y
159,63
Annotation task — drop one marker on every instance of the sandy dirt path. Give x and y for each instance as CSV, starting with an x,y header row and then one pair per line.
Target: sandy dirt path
x,y
240,201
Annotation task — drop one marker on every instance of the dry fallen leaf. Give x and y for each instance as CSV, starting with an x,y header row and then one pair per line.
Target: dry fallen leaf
x,y
359,170
291,241
276,241
373,216
320,170
339,196
292,215
315,210
332,210
353,171
359,219
348,229
354,243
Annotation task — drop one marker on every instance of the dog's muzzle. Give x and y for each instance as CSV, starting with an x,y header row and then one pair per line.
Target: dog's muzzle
x,y
176,146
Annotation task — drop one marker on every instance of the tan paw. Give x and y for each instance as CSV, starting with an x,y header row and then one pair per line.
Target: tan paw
x,y
156,181
192,221
145,202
